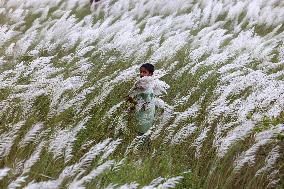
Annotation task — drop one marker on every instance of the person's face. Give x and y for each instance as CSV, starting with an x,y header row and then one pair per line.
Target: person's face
x,y
144,72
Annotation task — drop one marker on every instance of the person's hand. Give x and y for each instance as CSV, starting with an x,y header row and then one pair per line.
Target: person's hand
x,y
131,100
128,99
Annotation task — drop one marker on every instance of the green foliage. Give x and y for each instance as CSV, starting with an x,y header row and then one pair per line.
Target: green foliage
x,y
155,158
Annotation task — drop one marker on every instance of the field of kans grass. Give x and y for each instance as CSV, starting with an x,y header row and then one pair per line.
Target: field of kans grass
x,y
66,67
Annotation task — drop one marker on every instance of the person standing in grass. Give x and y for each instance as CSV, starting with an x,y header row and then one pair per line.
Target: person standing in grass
x,y
141,97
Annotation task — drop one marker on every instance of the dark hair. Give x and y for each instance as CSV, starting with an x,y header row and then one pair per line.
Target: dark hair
x,y
149,67
91,1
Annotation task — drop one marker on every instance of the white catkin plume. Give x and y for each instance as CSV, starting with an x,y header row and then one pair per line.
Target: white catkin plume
x,y
18,168
170,47
43,134
62,142
110,149
31,135
190,112
79,184
108,86
270,160
159,87
112,110
34,158
170,183
118,165
220,129
154,183
18,182
85,161
7,139
72,170
6,34
236,134
165,118
199,141
261,139
183,134
111,186
69,149
27,167
51,184
136,141
4,172
59,142
87,144
121,124
61,86
85,50
132,185
273,179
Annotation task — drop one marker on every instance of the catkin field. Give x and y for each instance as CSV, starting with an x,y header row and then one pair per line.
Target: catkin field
x,y
66,68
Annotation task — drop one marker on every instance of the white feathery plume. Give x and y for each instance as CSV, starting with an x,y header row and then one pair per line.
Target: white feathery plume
x,y
183,134
154,183
111,147
4,172
118,165
111,186
62,142
236,134
18,167
92,175
261,139
7,33
112,110
199,141
77,168
85,161
190,112
274,180
27,167
59,142
169,183
69,148
270,160
170,47
7,139
164,119
138,140
23,44
31,135
84,50
51,184
34,158
132,185
18,182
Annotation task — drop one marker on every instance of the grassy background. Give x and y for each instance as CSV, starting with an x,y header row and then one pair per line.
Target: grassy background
x,y
199,81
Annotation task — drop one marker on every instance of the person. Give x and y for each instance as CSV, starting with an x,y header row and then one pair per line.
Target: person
x,y
141,97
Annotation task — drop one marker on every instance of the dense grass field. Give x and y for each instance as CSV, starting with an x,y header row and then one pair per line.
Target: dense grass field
x,y
66,67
